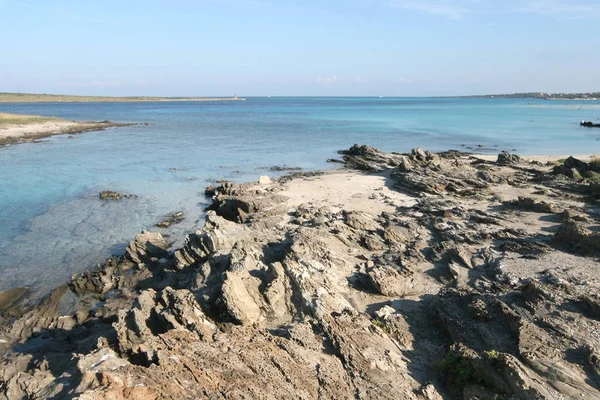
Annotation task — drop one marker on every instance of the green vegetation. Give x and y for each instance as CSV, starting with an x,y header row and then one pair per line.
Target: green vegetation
x,y
460,372
49,98
491,354
382,325
595,163
18,119
592,176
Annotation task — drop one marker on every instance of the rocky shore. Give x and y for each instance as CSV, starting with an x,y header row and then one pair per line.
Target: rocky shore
x,y
402,276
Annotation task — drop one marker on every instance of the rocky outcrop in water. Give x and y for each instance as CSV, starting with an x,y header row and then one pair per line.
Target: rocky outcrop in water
x,y
478,280
589,124
110,195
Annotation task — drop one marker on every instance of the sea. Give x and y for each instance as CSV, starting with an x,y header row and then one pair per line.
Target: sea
x,y
53,225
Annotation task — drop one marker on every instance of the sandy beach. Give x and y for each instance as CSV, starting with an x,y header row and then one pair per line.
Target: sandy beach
x,y
400,276
19,128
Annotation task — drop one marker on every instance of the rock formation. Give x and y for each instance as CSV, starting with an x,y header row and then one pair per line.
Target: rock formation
x,y
451,278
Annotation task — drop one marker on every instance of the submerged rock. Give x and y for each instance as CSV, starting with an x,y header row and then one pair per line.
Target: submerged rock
x,y
110,195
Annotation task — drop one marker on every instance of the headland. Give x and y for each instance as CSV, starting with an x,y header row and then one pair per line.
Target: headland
x,y
60,98
20,128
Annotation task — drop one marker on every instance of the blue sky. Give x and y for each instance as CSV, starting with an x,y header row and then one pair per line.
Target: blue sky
x,y
285,47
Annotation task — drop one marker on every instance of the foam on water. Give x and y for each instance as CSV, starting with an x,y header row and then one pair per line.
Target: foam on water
x,y
52,223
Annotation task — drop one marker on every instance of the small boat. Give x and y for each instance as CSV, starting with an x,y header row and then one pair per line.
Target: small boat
x,y
589,124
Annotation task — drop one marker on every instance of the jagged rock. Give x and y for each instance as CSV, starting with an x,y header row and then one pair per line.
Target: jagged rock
x,y
367,158
238,203
575,236
147,247
572,173
211,239
574,163
38,318
238,301
318,301
181,311
505,158
10,297
531,204
362,222
390,277
99,361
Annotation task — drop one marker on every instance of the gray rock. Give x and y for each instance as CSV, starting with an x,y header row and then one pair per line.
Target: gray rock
x,y
147,247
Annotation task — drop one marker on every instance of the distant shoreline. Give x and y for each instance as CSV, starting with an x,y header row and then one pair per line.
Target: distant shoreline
x,y
590,96
19,128
58,98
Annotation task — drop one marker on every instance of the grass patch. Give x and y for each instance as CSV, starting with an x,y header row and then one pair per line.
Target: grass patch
x,y
491,354
381,324
592,176
459,371
7,120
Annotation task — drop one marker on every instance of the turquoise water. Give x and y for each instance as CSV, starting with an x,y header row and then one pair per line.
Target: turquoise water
x,y
53,225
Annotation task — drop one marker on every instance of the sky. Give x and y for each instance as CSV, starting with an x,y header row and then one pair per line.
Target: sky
x,y
299,48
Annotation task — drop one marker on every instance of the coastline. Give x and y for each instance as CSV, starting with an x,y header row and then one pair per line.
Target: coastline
x,y
366,280
30,128
54,98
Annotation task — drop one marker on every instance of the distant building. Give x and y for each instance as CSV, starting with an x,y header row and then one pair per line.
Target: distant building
x,y
235,96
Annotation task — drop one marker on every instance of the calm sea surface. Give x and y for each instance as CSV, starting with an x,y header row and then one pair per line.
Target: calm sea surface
x,y
53,225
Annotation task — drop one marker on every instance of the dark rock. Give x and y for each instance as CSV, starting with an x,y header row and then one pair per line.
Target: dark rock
x,y
366,158
210,191
171,220
284,168
589,124
505,158
579,165
531,204
572,173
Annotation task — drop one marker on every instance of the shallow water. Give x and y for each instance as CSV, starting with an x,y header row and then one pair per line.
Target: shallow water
x,y
53,225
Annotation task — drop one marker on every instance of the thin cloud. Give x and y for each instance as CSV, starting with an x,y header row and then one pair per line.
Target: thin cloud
x,y
328,79
334,79
458,9
103,83
446,9
570,9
